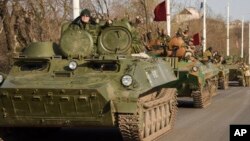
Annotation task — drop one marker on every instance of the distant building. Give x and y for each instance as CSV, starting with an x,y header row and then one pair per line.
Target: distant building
x,y
187,14
235,24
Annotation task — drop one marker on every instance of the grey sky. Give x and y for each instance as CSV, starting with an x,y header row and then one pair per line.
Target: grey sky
x,y
238,8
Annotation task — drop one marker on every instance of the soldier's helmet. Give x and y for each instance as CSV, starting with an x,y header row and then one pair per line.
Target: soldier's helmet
x,y
85,12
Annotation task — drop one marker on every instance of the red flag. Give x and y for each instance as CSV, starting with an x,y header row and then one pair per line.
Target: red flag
x,y
196,38
160,12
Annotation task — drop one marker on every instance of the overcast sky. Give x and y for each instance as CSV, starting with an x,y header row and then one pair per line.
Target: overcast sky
x,y
238,8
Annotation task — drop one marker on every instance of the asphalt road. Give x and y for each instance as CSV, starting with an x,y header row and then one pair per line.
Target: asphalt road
x,y
210,124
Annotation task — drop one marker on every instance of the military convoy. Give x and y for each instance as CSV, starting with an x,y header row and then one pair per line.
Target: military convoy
x,y
91,79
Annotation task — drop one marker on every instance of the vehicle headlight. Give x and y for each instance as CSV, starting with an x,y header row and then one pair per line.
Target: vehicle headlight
x,y
127,80
1,78
195,69
73,65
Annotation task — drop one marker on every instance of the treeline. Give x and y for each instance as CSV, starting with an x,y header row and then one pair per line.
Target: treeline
x,y
26,21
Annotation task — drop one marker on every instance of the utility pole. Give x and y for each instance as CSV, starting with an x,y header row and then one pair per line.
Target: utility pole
x,y
228,29
249,44
76,8
242,39
168,18
204,26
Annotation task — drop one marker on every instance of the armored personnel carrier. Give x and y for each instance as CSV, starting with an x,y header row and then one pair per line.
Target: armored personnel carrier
x,y
90,79
197,79
238,71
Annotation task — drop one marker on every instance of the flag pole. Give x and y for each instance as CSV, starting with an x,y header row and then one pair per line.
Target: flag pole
x,y
228,28
76,8
242,38
249,45
168,18
204,25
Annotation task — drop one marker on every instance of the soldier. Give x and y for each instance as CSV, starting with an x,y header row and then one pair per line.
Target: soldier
x,y
163,37
207,56
217,57
87,23
84,19
246,70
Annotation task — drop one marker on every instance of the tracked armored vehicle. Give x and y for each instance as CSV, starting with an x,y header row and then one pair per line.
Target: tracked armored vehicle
x,y
90,79
196,79
238,71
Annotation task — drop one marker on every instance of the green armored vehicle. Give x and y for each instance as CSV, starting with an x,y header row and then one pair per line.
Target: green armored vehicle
x,y
90,79
238,71
195,79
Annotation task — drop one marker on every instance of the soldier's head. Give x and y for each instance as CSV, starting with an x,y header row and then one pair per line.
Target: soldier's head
x,y
210,49
186,30
163,32
179,32
85,16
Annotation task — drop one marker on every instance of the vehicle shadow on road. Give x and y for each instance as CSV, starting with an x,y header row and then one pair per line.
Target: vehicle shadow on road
x,y
185,103
67,134
234,84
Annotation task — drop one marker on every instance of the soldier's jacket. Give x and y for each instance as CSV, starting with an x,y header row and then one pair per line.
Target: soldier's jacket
x,y
137,45
207,55
93,28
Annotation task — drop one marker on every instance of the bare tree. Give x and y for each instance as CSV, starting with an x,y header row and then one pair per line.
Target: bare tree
x,y
28,21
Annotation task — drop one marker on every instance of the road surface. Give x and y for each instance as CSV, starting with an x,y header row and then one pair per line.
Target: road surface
x,y
212,123
231,106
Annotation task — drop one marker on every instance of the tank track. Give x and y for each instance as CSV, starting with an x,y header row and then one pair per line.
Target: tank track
x,y
154,117
202,98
